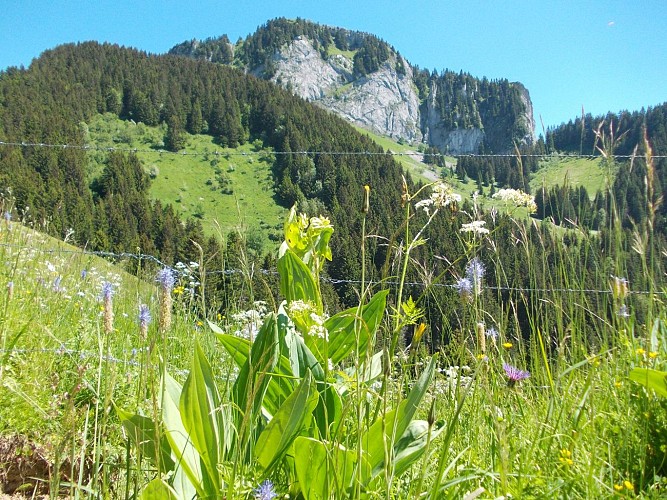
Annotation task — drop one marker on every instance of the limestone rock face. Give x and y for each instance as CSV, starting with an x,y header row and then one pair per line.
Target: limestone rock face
x,y
384,101
300,68
456,141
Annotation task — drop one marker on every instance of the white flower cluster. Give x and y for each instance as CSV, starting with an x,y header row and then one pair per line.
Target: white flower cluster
x,y
453,380
317,328
442,196
248,322
475,227
516,197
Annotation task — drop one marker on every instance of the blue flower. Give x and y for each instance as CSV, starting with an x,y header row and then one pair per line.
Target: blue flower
x,y
166,279
144,315
475,272
464,287
107,291
265,491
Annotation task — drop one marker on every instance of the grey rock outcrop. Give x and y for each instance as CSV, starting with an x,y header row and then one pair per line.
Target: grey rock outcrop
x,y
384,102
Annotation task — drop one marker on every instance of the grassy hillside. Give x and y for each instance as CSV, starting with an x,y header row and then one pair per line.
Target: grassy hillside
x,y
234,189
226,190
589,173
506,415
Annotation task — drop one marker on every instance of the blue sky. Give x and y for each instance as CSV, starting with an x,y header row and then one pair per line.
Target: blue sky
x,y
603,55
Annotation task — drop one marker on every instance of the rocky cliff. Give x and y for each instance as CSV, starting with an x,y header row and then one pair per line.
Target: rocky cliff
x,y
373,86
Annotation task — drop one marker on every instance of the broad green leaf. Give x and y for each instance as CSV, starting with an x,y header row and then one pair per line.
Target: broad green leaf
x,y
201,415
296,280
653,379
186,456
280,386
288,422
329,410
388,428
325,473
142,433
368,372
344,330
301,358
412,444
157,489
256,373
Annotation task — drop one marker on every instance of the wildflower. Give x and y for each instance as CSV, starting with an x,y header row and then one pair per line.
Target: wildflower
x,y
475,272
517,197
593,360
144,319
166,279
464,287
623,311
565,457
107,291
492,333
628,485
56,285
265,491
481,337
443,195
652,354
507,345
476,227
84,273
618,487
514,374
619,287
10,290
640,351
106,295
7,216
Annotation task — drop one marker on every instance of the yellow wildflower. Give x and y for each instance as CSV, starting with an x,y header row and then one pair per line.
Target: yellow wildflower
x,y
652,354
628,485
640,351
618,487
566,457
507,345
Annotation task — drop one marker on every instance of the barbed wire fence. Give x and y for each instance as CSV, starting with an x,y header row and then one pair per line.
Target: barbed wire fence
x,y
264,152
177,270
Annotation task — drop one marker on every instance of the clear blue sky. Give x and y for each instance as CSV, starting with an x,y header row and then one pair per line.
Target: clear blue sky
x,y
604,55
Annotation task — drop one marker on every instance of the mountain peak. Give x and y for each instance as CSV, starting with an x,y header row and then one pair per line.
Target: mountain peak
x,y
366,81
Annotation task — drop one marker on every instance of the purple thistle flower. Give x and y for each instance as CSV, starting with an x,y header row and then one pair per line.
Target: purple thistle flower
x,y
166,279
265,491
107,291
514,374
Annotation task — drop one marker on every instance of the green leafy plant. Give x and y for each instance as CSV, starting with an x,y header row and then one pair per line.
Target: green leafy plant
x,y
283,414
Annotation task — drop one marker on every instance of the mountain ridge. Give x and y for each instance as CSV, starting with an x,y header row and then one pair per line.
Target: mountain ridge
x,y
366,81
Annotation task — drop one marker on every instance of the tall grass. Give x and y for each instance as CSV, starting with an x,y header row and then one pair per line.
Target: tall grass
x,y
541,409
